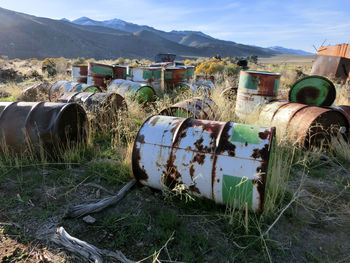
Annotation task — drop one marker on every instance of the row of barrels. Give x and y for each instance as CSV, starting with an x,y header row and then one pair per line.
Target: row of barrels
x,y
100,75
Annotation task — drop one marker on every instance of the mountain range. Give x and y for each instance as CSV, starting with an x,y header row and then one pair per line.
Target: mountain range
x,y
26,36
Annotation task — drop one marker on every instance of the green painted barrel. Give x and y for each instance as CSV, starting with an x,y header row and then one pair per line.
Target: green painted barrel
x,y
86,88
313,91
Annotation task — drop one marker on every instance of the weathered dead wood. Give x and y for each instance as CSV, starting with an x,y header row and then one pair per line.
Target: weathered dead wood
x,y
84,209
84,250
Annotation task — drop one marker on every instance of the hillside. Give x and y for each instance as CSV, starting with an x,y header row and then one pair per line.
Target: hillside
x,y
25,36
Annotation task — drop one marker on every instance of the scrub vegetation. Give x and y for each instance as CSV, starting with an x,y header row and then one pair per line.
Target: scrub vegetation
x,y
307,205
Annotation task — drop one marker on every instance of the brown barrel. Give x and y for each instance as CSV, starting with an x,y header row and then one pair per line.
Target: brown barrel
x,y
29,127
302,124
198,108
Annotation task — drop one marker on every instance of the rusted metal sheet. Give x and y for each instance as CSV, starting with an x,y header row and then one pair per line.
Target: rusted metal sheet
x,y
198,108
223,161
302,124
133,90
32,126
313,91
255,89
331,67
340,50
95,103
79,73
61,87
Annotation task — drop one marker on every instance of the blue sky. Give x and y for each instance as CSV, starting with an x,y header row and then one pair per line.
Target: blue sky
x,y
298,24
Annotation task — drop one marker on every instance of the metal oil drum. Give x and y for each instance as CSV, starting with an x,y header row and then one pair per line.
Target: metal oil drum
x,y
255,89
223,161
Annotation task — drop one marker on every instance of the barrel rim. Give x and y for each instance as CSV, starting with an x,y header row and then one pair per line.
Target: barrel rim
x,y
261,72
332,93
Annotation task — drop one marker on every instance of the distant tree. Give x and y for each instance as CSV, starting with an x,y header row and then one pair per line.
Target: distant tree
x,y
253,59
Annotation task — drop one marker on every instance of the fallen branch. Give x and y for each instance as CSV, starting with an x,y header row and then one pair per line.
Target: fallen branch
x,y
86,251
84,209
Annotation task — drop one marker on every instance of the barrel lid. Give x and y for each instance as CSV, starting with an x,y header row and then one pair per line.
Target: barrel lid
x,y
313,91
145,94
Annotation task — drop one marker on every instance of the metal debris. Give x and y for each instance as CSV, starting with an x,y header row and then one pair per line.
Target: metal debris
x,y
333,62
226,162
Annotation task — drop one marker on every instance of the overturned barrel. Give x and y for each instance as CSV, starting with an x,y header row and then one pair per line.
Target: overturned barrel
x,y
205,86
223,161
313,91
80,73
198,108
96,103
139,92
35,126
255,89
61,87
302,124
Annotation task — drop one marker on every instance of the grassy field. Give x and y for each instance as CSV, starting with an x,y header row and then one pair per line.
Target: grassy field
x,y
306,216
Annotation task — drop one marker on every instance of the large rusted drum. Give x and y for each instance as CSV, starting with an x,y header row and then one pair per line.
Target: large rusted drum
x,y
313,91
223,161
302,124
30,127
255,89
80,73
135,91
61,87
198,108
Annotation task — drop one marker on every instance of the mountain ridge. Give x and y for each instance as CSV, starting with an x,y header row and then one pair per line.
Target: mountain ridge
x,y
26,36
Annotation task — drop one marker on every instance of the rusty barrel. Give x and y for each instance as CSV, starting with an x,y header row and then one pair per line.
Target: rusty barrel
x,y
139,92
205,86
95,103
313,91
61,87
144,74
223,161
255,89
198,108
80,73
31,125
99,74
120,72
302,124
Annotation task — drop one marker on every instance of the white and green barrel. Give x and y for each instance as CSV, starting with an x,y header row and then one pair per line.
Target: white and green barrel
x,y
223,161
131,90
255,89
